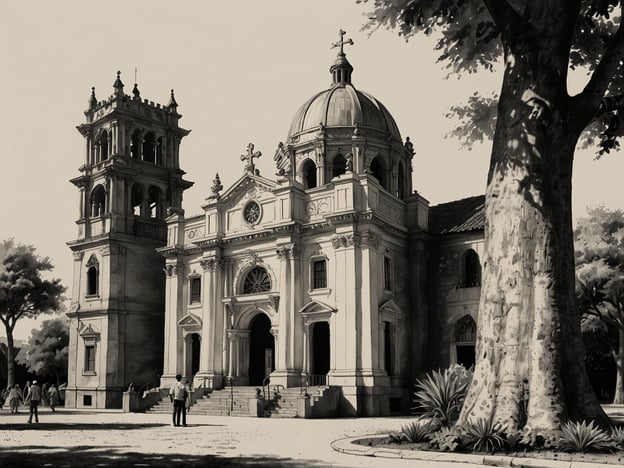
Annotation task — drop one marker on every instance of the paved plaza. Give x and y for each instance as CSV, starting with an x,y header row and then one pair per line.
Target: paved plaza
x,y
89,439
112,438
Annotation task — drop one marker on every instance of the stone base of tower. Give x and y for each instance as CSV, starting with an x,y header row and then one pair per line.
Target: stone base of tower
x,y
93,398
286,378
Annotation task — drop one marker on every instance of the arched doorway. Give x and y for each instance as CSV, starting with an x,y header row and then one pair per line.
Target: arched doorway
x,y
320,349
261,349
195,350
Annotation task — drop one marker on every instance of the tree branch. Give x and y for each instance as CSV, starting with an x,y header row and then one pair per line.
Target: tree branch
x,y
504,16
590,98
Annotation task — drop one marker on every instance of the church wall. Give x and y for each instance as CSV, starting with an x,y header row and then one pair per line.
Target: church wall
x,y
450,300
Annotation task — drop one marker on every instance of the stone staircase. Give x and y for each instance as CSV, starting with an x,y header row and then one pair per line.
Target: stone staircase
x,y
235,402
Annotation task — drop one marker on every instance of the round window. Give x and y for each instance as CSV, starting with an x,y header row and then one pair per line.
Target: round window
x,y
251,212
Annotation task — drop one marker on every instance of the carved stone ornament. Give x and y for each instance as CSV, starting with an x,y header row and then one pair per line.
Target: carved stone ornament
x,y
174,269
216,186
275,300
347,240
288,251
371,240
349,164
78,256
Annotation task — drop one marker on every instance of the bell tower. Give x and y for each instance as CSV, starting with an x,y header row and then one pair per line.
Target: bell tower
x,y
129,181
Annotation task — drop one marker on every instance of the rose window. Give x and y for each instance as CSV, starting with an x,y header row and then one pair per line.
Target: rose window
x,y
257,281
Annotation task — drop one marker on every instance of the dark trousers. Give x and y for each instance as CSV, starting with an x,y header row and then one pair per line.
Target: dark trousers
x,y
33,410
179,410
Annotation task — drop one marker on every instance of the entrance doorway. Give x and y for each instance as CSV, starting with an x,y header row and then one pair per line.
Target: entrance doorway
x,y
320,349
261,350
195,350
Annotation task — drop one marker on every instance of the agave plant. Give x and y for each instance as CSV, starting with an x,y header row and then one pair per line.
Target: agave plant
x,y
446,439
617,435
583,437
484,435
441,395
417,431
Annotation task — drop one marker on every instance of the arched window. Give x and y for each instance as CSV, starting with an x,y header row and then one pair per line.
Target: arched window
x,y
103,144
93,276
136,199
339,165
401,182
149,147
471,270
256,281
154,202
135,145
308,172
378,170
464,341
98,201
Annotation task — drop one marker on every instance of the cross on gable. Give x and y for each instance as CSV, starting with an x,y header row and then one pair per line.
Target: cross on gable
x,y
250,167
342,42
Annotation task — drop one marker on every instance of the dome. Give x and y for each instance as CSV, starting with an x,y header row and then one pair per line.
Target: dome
x,y
343,106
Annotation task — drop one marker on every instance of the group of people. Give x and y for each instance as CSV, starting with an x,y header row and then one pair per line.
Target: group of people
x,y
33,395
180,396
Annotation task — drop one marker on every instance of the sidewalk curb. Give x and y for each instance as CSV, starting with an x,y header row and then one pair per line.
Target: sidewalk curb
x,y
347,446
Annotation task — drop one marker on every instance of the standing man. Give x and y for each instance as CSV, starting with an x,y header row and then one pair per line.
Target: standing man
x,y
177,395
34,397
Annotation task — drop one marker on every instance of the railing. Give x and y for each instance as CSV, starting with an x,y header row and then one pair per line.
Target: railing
x,y
317,380
266,382
230,380
148,386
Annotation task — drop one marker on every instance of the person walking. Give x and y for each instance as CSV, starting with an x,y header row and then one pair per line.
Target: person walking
x,y
189,391
53,397
15,396
177,395
44,394
34,398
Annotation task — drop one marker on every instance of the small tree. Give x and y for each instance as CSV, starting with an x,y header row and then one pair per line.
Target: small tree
x,y
23,292
599,245
47,349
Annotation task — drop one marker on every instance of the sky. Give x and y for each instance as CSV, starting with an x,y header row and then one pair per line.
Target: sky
x,y
240,71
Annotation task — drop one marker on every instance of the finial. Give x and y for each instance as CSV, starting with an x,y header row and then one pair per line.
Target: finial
x,y
172,102
135,92
216,186
342,42
92,99
118,85
250,167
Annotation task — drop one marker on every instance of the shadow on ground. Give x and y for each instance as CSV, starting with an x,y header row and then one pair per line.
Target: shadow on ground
x,y
42,456
53,426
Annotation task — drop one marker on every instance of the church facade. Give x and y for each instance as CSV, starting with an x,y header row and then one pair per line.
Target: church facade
x,y
334,273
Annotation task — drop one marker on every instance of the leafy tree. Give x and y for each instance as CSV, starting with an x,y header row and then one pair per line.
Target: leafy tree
x,y
47,349
529,346
23,291
599,243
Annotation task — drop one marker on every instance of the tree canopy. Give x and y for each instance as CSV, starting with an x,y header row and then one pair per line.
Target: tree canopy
x,y
47,349
24,292
471,36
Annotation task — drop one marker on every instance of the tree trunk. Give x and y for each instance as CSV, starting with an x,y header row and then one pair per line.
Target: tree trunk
x,y
618,397
530,369
10,356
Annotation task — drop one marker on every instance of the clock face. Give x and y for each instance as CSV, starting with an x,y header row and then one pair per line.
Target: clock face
x,y
251,212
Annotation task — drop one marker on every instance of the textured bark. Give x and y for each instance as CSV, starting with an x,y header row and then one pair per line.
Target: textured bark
x,y
618,397
530,369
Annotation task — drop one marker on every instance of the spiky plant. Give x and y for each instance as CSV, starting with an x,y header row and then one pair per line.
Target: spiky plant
x,y
446,439
441,395
617,435
417,431
583,437
484,435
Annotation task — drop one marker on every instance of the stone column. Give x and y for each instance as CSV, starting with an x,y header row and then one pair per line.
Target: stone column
x,y
281,348
306,348
206,360
173,297
370,302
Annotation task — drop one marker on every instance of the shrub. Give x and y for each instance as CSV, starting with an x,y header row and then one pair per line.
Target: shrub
x,y
417,431
441,394
617,435
583,437
484,435
446,439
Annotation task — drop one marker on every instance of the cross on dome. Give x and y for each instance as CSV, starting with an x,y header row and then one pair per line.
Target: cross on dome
x,y
342,41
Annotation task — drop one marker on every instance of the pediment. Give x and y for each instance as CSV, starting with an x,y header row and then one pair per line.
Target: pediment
x,y
190,320
248,186
89,331
390,309
316,307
